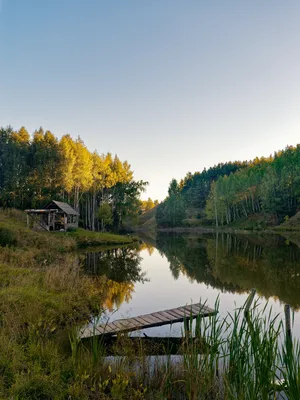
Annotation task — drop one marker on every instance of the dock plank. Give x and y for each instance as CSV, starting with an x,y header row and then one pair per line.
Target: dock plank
x,y
176,314
149,319
158,318
185,311
130,323
166,316
154,319
141,321
196,309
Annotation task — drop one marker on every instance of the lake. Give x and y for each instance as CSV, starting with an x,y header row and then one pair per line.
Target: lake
x,y
174,270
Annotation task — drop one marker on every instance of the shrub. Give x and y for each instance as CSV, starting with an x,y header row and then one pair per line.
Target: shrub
x,y
7,237
37,387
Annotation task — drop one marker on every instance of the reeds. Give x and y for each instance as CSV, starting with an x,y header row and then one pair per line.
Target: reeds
x,y
243,356
246,356
44,294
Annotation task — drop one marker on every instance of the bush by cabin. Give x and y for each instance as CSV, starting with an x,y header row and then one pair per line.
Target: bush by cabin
x,y
55,216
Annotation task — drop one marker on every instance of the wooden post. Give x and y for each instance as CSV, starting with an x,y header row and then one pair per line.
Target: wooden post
x,y
249,301
186,325
27,221
287,313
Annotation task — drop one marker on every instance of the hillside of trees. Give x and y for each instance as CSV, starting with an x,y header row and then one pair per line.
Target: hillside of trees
x,y
225,194
36,169
189,196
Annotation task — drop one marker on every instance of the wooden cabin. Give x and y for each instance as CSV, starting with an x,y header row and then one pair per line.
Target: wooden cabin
x,y
56,216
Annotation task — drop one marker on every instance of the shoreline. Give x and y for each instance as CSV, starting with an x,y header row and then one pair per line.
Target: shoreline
x,y
220,230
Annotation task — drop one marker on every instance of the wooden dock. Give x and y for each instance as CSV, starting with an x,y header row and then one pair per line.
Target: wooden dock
x,y
148,320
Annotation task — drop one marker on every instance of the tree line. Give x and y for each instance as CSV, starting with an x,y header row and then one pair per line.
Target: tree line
x,y
191,193
223,194
36,169
268,186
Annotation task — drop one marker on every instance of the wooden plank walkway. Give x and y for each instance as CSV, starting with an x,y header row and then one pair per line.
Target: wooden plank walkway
x,y
148,320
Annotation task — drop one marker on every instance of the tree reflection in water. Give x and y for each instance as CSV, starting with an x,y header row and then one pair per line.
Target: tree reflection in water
x,y
230,263
120,268
236,264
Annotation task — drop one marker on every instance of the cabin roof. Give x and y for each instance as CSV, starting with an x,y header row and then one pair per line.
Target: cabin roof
x,y
66,208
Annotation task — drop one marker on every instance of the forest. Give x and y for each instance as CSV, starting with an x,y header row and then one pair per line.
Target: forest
x,y
234,191
35,169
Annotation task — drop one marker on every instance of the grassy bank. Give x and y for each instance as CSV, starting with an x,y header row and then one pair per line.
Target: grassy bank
x,y
43,295
13,231
256,222
241,226
44,299
86,238
245,358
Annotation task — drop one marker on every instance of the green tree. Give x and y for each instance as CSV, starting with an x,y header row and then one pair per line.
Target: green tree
x,y
171,212
105,214
173,187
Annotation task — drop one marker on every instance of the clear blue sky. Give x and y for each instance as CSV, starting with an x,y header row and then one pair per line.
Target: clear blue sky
x,y
171,86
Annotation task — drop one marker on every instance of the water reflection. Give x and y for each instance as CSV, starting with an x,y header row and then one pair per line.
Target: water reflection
x,y
223,263
236,264
189,256
120,268
120,265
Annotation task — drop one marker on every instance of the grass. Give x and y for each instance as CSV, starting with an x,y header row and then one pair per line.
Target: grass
x,y
13,232
247,356
258,222
290,224
86,238
43,295
45,298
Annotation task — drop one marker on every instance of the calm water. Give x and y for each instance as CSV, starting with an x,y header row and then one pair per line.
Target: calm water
x,y
176,270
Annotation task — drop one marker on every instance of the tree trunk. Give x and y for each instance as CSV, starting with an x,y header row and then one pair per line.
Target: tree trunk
x,y
216,212
93,212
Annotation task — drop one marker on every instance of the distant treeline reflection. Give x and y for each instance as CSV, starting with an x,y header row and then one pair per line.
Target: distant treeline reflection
x,y
236,264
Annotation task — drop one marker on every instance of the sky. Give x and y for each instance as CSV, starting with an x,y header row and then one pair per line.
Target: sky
x,y
171,86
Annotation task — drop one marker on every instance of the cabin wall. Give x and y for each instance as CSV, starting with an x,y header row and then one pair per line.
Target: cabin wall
x,y
59,221
73,226
38,222
72,222
62,220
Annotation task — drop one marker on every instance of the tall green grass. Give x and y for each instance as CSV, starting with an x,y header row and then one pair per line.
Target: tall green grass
x,y
247,355
244,355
